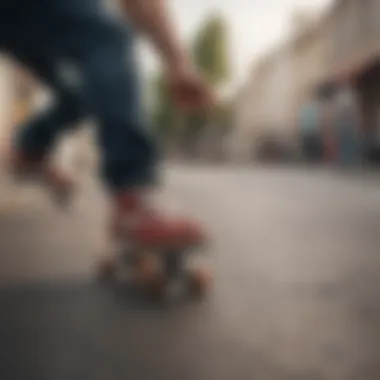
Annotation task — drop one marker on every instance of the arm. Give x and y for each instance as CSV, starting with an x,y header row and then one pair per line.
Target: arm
x,y
153,18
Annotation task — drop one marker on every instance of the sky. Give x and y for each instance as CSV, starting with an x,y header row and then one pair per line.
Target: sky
x,y
255,26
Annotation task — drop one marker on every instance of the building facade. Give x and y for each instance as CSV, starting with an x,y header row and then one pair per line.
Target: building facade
x,y
280,84
354,61
354,56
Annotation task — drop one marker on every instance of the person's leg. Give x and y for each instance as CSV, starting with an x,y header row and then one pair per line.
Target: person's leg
x,y
105,55
23,37
104,52
35,140
38,135
307,147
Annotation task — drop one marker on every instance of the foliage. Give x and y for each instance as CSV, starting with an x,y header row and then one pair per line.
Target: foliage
x,y
210,49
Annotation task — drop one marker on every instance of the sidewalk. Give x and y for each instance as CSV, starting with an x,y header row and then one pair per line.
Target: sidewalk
x,y
16,199
41,242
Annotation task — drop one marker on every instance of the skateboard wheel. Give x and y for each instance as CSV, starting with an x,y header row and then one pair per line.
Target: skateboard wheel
x,y
145,270
199,282
106,269
155,286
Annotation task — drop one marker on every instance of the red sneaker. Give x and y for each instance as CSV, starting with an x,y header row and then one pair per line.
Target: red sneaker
x,y
142,226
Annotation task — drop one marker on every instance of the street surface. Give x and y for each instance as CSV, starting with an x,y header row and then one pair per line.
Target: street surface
x,y
296,260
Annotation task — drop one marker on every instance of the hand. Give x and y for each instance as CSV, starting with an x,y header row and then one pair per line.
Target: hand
x,y
189,90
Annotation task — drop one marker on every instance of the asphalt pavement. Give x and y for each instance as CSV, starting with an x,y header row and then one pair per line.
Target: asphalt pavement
x,y
296,262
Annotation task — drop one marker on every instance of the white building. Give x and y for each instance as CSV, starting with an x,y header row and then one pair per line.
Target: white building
x,y
266,105
282,80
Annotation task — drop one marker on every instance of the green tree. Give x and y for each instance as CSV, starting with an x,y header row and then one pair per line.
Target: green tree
x,y
163,109
211,56
210,49
168,121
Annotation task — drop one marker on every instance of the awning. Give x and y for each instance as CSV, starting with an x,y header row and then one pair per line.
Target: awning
x,y
352,71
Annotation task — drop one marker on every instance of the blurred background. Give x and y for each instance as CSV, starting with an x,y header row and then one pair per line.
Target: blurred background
x,y
284,175
297,82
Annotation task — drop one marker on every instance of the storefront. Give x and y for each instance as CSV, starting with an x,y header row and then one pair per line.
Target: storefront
x,y
354,67
352,94
368,87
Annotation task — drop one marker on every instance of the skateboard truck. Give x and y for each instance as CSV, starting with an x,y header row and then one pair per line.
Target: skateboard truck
x,y
168,279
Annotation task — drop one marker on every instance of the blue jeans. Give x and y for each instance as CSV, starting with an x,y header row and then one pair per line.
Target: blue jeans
x,y
46,35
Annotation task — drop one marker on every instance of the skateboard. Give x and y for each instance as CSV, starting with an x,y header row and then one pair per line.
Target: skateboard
x,y
166,275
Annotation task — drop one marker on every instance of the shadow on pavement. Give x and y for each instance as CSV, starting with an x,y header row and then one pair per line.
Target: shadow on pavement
x,y
84,330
